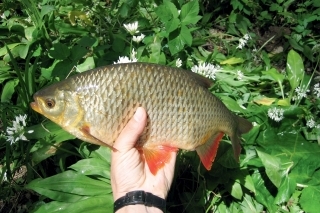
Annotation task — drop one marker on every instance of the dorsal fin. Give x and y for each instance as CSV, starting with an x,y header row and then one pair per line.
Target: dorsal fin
x,y
203,81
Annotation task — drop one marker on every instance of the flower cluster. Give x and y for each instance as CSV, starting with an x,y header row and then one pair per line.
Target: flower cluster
x,y
240,75
132,28
243,41
206,69
125,59
316,90
138,38
275,114
301,93
16,132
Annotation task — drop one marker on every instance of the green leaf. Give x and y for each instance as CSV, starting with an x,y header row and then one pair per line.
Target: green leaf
x,y
70,182
233,60
310,199
92,166
189,13
185,35
88,64
167,12
294,69
285,190
59,51
8,90
272,166
274,75
99,204
45,9
78,52
236,191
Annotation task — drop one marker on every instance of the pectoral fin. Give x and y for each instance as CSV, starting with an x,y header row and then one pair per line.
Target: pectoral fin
x,y
157,156
208,151
85,129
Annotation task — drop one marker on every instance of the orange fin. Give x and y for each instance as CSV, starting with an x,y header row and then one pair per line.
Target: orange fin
x,y
208,151
85,129
157,156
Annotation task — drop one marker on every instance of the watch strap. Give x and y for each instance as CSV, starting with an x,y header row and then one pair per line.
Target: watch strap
x,y
140,197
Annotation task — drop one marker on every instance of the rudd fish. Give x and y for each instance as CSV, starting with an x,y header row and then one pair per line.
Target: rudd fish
x,y
182,113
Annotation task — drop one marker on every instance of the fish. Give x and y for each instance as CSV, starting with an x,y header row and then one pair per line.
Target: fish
x,y
95,106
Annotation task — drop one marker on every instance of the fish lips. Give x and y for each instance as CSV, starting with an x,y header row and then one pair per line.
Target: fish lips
x,y
34,105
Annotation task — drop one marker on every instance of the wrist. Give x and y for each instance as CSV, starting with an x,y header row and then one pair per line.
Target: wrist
x,y
138,209
143,200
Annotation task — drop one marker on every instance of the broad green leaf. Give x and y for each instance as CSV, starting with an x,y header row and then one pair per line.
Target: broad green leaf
x,y
274,75
264,100
59,51
176,44
272,166
294,69
249,205
236,190
4,51
77,52
310,199
69,182
233,60
243,177
99,204
167,12
88,64
8,90
45,9
189,13
172,25
263,194
185,35
285,190
92,166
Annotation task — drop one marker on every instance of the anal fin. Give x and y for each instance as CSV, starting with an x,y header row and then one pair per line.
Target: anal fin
x,y
208,151
157,156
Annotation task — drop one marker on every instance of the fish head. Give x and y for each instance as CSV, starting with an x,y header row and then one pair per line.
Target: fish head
x,y
58,104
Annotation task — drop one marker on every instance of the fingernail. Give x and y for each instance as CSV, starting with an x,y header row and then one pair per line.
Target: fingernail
x,y
138,115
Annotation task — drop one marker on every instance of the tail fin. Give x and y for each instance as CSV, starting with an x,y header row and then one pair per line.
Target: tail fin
x,y
244,126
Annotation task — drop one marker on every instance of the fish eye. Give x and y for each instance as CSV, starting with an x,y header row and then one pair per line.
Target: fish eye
x,y
50,103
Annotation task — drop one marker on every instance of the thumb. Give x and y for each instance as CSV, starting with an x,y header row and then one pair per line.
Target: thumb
x,y
131,132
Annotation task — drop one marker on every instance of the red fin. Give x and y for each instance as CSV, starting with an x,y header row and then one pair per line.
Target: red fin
x,y
85,129
208,151
157,156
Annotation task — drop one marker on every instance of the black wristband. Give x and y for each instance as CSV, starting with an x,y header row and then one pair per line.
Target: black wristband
x,y
140,197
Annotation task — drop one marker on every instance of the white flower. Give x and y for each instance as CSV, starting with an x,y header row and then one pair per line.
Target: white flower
x,y
316,90
16,132
243,41
311,123
275,114
178,62
132,28
138,38
133,56
207,70
125,59
239,75
301,93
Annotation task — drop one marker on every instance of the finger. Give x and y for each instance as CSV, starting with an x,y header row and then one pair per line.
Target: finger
x,y
131,132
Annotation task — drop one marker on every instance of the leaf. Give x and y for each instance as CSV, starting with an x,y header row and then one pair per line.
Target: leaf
x,y
92,166
59,51
78,52
185,35
167,12
189,13
8,90
236,191
99,204
88,64
294,69
45,9
274,75
233,60
264,100
310,199
272,166
285,190
57,187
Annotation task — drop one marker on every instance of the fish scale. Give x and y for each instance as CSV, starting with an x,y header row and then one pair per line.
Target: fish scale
x,y
182,113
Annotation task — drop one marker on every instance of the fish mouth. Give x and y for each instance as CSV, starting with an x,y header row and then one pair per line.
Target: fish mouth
x,y
35,106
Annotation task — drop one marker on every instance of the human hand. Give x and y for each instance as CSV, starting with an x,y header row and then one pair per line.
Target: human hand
x,y
129,172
